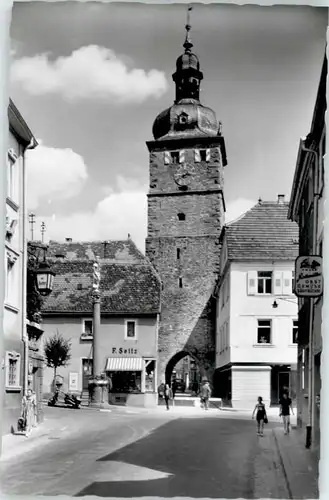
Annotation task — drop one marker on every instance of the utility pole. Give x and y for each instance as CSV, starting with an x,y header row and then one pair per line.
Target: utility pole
x,y
32,222
43,230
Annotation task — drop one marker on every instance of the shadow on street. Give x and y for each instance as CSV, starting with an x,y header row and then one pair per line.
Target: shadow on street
x,y
201,458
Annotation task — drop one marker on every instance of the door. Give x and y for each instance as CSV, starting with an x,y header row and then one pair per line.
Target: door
x,y
87,369
284,381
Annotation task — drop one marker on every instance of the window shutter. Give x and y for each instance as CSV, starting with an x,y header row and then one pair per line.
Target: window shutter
x,y
252,282
208,154
181,156
197,155
277,283
166,157
287,283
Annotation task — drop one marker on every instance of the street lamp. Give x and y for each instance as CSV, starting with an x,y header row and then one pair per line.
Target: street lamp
x,y
44,277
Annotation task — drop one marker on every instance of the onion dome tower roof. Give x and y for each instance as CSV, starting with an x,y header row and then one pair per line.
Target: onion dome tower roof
x,y
187,117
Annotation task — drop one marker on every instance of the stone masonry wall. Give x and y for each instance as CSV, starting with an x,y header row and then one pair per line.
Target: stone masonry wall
x,y
186,253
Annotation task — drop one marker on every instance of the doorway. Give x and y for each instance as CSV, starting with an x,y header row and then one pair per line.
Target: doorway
x,y
87,370
283,381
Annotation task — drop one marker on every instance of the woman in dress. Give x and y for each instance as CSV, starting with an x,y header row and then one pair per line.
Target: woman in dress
x,y
28,411
260,416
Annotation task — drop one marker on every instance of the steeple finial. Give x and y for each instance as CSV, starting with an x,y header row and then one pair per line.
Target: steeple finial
x,y
188,44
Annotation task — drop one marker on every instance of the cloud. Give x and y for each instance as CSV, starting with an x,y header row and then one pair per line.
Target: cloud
x,y
238,207
89,72
113,218
53,173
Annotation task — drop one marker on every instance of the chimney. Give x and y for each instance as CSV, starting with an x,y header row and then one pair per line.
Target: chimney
x,y
281,198
68,240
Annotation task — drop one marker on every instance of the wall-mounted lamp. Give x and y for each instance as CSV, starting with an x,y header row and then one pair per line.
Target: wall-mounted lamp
x,y
275,305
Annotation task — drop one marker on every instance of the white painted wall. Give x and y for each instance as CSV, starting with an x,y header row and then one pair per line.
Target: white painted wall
x,y
242,310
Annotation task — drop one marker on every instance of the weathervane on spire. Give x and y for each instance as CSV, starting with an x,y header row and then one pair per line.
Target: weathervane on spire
x,y
188,44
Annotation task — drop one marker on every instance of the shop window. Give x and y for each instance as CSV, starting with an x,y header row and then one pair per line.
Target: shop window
x,y
12,366
126,382
264,331
130,329
181,216
87,327
295,331
264,282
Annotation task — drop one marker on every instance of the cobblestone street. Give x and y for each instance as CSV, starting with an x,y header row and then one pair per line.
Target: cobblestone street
x,y
154,454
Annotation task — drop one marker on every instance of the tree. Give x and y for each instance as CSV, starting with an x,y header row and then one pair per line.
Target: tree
x,y
57,352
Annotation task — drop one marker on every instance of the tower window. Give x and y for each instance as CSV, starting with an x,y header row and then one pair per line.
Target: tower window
x,y
178,253
181,216
203,154
180,282
174,156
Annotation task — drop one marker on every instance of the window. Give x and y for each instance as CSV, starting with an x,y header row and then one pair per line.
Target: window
x,y
174,156
178,253
264,282
12,366
293,282
87,327
11,175
264,331
203,154
181,216
8,279
295,331
180,282
130,329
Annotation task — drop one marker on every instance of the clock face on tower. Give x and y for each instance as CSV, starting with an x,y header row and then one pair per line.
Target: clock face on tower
x,y
182,176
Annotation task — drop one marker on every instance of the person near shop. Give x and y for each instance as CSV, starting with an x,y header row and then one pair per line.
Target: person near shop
x,y
205,394
167,395
261,416
285,409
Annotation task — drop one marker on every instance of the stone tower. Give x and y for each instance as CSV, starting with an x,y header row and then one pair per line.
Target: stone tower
x,y
185,217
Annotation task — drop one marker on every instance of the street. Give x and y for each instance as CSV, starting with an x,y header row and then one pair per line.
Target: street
x,y
162,454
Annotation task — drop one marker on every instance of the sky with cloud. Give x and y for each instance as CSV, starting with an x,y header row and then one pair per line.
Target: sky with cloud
x,y
90,78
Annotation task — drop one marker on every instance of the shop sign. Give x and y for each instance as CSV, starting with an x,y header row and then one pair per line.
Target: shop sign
x,y
308,276
122,350
73,381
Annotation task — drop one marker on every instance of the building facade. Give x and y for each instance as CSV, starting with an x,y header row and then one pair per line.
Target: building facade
x,y
14,378
185,216
130,307
307,209
257,314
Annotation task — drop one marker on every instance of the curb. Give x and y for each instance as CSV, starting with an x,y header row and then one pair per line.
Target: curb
x,y
282,465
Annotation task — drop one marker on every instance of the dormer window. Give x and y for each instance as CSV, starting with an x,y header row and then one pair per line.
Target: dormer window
x,y
174,156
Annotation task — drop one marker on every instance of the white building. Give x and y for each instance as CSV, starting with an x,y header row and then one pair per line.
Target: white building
x,y
257,314
14,314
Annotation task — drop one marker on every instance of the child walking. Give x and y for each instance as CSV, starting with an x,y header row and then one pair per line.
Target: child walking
x,y
260,416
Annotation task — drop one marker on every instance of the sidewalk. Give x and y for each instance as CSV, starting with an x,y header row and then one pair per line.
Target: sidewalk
x,y
52,426
300,465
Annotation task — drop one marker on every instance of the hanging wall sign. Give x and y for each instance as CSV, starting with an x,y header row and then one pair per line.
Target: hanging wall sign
x,y
308,276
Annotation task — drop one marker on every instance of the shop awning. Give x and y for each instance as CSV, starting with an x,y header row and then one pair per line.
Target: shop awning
x,y
124,365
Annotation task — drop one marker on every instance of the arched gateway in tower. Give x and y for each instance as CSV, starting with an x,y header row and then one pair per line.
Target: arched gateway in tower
x,y
185,217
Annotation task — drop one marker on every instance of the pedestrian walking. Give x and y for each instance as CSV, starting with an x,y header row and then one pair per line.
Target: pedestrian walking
x,y
27,413
261,416
35,409
167,395
285,409
174,389
205,394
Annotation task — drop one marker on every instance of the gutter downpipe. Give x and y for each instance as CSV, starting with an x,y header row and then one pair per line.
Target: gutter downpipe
x,y
33,144
310,422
